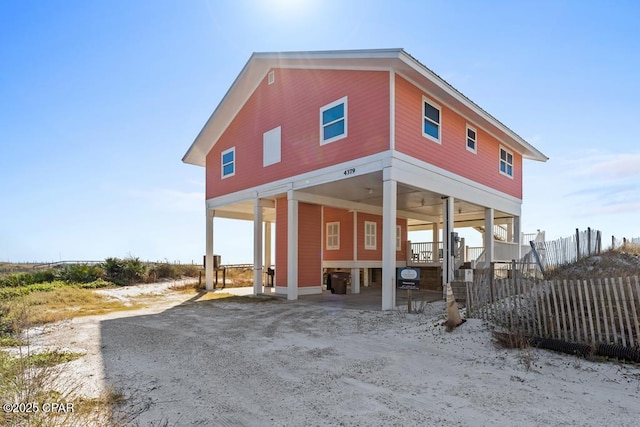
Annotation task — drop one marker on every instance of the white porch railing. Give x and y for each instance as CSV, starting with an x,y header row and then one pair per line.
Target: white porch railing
x,y
430,253
474,252
505,251
424,252
502,252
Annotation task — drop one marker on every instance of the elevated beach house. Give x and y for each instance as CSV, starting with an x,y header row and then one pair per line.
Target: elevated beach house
x,y
344,153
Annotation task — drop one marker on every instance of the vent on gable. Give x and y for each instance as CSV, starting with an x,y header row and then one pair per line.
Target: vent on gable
x,y
271,77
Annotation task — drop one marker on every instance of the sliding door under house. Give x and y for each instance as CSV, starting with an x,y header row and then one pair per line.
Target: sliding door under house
x,y
336,156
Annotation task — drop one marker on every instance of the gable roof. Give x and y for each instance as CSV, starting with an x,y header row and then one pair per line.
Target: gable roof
x,y
398,60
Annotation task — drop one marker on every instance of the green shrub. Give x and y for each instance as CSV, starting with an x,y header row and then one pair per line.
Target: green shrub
x,y
44,276
16,279
96,284
189,270
124,271
14,292
81,273
164,271
22,279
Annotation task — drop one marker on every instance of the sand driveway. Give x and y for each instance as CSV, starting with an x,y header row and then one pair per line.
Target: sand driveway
x,y
222,362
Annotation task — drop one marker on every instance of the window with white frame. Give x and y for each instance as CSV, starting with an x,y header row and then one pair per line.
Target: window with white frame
x,y
271,146
431,120
370,235
333,121
271,77
333,235
506,162
228,160
472,139
398,238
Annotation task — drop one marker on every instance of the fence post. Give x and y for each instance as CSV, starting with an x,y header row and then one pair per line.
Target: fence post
x,y
613,242
537,257
589,240
578,244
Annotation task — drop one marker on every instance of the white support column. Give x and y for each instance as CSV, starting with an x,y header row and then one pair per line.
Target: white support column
x,y
510,233
488,236
434,238
389,213
355,272
517,235
292,246
257,247
355,280
208,271
447,250
365,278
267,244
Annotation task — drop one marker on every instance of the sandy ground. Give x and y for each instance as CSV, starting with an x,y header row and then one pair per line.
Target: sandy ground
x,y
190,362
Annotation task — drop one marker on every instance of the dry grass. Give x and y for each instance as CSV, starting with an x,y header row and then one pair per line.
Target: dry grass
x,y
37,380
39,308
620,262
42,377
631,249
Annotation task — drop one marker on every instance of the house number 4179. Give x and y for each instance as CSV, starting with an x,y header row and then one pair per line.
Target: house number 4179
x,y
350,171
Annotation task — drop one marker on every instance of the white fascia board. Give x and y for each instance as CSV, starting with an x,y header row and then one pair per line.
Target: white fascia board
x,y
365,165
329,174
356,206
340,171
411,171
234,215
390,53
241,89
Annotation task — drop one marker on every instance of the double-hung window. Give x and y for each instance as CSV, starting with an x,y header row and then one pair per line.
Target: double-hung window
x,y
431,120
398,238
228,160
506,162
333,121
370,235
333,236
472,139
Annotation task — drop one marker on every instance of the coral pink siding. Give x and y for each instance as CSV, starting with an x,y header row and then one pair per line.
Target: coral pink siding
x,y
376,254
451,154
309,244
345,253
293,102
345,218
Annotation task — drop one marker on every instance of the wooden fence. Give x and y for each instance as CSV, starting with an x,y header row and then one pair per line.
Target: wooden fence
x,y
566,250
582,311
622,243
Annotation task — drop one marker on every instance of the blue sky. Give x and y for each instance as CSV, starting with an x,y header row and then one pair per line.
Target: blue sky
x,y
99,101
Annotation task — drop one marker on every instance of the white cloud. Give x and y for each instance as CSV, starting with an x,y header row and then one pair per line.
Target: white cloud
x,y
623,166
